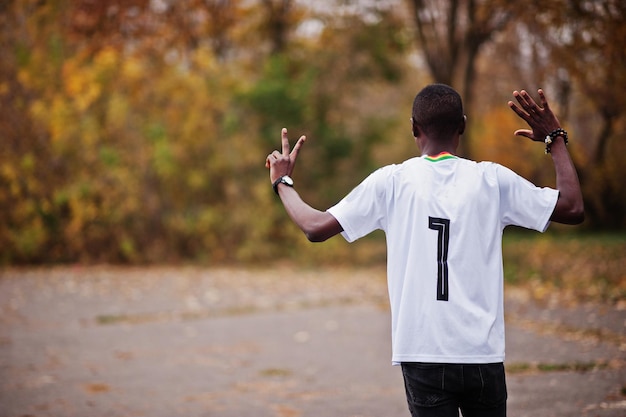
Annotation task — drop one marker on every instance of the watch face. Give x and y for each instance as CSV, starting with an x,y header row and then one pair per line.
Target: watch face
x,y
287,180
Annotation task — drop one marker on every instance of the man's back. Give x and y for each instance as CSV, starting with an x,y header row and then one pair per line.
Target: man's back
x,y
443,217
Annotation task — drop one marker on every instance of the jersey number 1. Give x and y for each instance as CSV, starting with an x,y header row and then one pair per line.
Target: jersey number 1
x,y
442,226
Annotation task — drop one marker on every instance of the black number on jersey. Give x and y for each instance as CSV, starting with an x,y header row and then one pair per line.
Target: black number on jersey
x,y
442,226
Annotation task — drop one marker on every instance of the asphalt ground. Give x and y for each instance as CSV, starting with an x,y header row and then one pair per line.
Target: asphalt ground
x,y
284,342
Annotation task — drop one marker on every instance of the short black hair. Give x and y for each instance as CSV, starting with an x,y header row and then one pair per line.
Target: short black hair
x,y
437,111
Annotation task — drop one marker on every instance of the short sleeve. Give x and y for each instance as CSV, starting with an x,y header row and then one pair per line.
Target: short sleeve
x,y
524,204
363,210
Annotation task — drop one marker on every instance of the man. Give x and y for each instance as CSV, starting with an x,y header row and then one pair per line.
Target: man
x,y
444,217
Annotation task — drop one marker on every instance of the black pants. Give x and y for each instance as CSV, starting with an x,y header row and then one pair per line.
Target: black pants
x,y
441,390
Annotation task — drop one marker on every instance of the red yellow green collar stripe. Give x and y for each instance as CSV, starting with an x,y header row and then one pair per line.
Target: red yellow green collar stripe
x,y
440,157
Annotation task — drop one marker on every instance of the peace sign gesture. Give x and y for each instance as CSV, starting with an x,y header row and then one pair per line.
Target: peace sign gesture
x,y
281,164
541,119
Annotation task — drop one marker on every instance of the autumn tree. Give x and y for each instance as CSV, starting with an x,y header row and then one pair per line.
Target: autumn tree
x,y
137,130
116,151
589,49
594,32
278,22
450,35
571,47
28,169
574,48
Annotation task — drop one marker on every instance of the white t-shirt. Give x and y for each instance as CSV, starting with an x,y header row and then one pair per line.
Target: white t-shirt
x,y
443,218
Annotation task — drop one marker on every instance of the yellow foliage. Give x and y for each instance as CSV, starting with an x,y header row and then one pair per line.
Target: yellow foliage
x,y
8,171
132,69
106,59
205,61
83,88
28,240
24,77
38,109
117,110
60,121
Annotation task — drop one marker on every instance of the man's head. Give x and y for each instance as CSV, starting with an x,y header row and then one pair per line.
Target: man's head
x,y
438,113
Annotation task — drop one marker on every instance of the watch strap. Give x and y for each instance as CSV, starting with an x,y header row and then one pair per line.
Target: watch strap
x,y
280,180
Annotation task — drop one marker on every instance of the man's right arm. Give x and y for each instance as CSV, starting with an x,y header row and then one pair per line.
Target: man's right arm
x,y
317,225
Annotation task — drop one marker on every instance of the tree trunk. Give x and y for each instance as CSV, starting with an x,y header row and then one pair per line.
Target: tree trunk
x,y
452,60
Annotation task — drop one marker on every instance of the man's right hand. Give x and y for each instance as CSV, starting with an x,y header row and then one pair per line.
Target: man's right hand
x,y
281,164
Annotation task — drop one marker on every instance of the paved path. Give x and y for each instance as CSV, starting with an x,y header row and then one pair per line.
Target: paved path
x,y
270,343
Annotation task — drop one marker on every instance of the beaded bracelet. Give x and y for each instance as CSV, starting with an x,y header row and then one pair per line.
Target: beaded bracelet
x,y
552,137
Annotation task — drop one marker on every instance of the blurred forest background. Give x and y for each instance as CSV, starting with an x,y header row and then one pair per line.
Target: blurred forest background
x,y
136,131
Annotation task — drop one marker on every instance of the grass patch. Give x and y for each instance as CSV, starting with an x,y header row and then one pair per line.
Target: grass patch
x,y
111,319
525,367
275,372
581,267
565,367
518,367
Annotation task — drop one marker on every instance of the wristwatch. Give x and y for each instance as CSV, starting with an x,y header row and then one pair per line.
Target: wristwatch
x,y
285,179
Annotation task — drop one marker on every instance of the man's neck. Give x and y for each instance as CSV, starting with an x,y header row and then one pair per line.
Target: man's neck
x,y
433,147
436,150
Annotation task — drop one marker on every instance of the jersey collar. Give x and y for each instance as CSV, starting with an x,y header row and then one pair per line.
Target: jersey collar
x,y
439,157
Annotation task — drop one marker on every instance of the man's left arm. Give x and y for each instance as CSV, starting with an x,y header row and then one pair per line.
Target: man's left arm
x,y
569,207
